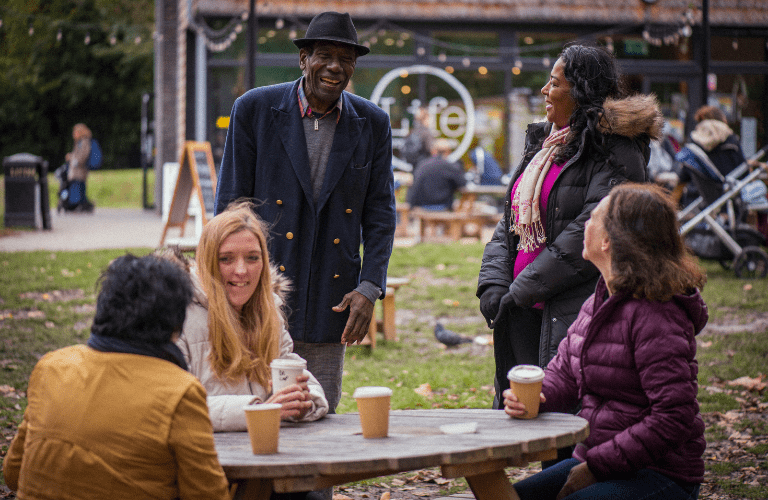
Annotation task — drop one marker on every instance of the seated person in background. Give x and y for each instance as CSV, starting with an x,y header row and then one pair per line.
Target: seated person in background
x,y
712,144
436,180
120,418
630,358
487,171
235,325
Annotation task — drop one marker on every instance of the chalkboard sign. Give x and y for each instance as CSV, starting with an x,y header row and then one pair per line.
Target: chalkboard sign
x,y
197,177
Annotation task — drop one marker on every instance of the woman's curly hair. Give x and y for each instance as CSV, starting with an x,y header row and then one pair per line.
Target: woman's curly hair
x,y
142,298
594,77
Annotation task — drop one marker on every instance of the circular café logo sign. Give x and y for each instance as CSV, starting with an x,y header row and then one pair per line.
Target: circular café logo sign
x,y
451,121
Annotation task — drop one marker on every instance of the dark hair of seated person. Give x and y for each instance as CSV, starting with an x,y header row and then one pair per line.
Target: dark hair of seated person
x,y
142,299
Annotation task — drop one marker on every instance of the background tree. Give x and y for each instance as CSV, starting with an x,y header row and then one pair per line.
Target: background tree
x,y
69,61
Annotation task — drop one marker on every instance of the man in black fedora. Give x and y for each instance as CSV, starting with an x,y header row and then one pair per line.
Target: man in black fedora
x,y
317,160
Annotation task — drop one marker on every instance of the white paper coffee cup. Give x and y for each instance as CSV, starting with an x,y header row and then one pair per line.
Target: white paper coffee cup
x,y
285,372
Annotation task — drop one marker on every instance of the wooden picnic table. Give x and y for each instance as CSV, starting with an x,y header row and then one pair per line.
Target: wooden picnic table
x,y
470,192
332,451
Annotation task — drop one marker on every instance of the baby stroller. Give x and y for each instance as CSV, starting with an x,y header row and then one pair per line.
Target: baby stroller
x,y
71,193
717,230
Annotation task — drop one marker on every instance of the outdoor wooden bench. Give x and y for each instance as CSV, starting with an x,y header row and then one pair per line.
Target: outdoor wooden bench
x,y
386,324
403,218
454,224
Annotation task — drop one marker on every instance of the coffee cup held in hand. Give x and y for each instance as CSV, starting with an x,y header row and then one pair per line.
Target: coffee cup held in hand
x,y
525,382
285,371
263,423
373,405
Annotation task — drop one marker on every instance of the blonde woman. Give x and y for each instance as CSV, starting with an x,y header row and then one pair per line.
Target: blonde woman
x,y
235,326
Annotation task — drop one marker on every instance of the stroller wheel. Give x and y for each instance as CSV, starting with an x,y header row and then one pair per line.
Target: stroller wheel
x,y
752,262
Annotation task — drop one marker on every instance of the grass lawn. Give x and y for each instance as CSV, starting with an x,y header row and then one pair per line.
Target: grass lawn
x,y
47,302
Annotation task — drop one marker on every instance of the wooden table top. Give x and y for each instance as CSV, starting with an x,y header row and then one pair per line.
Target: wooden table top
x,y
483,189
334,445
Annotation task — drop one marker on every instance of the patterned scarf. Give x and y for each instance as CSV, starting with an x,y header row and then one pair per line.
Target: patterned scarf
x,y
525,203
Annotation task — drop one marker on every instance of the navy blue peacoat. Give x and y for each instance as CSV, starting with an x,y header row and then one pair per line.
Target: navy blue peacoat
x,y
315,244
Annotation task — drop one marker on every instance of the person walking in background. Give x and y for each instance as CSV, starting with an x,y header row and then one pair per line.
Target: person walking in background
x,y
533,279
120,417
73,175
436,179
319,162
235,326
630,359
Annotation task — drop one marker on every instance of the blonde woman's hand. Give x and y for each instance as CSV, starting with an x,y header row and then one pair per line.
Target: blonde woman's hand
x,y
513,407
294,399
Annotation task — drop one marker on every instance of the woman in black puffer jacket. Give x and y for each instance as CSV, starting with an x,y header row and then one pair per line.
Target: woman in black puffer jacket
x,y
533,279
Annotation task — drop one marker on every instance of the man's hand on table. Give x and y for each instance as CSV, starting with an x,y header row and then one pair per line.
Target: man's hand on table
x,y
360,314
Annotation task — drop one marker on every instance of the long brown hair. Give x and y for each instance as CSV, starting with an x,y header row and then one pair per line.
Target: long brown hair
x,y
241,344
648,255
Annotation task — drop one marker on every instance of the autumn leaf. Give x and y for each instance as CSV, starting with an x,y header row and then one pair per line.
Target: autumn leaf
x,y
424,390
752,384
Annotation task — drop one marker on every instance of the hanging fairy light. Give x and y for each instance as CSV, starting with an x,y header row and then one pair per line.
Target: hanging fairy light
x,y
279,23
466,62
442,57
59,35
87,39
735,44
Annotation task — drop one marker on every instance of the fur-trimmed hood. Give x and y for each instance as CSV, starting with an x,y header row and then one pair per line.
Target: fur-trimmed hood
x,y
632,116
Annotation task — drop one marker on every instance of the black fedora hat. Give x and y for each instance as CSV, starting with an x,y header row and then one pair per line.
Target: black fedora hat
x,y
332,27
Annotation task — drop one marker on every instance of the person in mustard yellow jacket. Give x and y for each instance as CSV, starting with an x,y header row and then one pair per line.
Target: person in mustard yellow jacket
x,y
120,418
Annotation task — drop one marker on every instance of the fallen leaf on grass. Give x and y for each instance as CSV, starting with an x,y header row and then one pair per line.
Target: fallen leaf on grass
x,y
752,384
385,496
424,390
339,496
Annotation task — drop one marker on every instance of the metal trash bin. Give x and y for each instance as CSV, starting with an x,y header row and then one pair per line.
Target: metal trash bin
x,y
26,191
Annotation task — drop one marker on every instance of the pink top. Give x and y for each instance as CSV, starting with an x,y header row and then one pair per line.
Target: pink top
x,y
524,258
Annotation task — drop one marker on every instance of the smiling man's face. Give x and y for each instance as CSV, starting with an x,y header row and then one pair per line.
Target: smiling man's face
x,y
327,70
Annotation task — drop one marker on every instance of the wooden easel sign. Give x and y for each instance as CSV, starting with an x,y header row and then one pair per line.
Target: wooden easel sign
x,y
197,176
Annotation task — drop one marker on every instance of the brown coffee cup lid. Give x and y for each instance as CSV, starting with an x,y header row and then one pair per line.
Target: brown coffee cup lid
x,y
526,374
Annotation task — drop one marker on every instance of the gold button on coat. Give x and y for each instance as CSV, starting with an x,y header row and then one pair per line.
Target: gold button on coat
x,y
336,241
335,276
349,210
279,202
282,268
289,236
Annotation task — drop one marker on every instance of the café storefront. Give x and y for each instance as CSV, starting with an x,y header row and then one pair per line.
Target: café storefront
x,y
500,51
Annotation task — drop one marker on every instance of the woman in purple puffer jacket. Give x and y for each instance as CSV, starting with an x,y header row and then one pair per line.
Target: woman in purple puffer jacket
x,y
630,359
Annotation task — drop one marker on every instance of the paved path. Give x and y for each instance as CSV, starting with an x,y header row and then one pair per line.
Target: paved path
x,y
104,228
